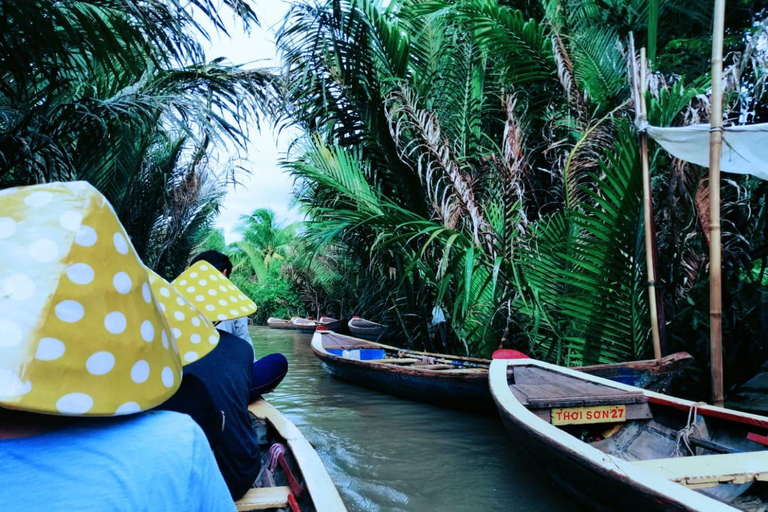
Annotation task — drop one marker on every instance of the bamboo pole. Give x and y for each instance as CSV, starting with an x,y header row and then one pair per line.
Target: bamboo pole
x,y
650,259
715,247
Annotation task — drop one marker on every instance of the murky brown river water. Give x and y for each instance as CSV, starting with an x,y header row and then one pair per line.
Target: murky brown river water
x,y
387,454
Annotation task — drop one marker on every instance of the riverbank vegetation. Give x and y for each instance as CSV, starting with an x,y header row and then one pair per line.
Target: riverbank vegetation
x,y
481,156
476,155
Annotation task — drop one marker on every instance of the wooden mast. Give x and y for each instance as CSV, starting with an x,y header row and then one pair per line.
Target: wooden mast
x,y
715,247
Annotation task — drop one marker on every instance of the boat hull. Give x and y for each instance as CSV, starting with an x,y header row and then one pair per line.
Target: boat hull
x,y
590,486
465,392
655,375
277,323
365,329
304,325
596,480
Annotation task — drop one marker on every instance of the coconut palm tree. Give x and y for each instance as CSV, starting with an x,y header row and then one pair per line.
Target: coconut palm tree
x,y
265,243
118,93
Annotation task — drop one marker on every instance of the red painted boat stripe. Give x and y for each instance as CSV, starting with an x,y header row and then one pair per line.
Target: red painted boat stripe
x,y
722,414
757,438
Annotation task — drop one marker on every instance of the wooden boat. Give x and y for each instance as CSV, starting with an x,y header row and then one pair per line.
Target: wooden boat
x,y
337,326
299,480
365,329
619,447
304,324
449,381
279,323
651,374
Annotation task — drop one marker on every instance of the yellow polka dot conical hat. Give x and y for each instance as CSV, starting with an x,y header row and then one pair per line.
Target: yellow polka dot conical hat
x,y
193,333
212,293
81,332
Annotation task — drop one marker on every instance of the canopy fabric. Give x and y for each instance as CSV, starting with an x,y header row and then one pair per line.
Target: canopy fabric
x,y
745,148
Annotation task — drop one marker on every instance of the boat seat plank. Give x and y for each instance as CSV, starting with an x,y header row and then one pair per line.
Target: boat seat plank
x,y
710,470
395,360
264,498
545,389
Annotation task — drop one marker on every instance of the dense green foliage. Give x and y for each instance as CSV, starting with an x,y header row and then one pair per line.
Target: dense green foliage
x,y
118,93
261,260
483,154
477,155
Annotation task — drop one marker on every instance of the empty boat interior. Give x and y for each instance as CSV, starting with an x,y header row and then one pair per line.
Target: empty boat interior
x,y
360,350
721,453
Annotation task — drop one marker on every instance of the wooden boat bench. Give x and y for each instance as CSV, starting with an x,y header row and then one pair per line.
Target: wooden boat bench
x,y
542,391
710,470
264,498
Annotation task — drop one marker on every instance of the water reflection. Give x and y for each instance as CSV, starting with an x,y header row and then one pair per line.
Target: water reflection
x,y
387,454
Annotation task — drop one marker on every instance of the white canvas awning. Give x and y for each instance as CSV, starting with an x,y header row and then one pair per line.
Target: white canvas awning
x,y
745,148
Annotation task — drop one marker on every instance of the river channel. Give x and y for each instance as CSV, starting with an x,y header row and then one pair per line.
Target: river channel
x,y
387,454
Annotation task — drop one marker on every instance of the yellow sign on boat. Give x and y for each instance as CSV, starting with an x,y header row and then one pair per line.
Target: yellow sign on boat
x,y
591,414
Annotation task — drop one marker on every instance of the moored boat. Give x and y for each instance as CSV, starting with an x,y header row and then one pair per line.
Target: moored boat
x,y
448,381
293,478
445,380
619,447
279,323
365,329
304,324
337,326
652,374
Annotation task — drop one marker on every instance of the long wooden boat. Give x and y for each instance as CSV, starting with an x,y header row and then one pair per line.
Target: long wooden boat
x,y
619,447
304,324
449,381
326,320
365,329
297,480
279,323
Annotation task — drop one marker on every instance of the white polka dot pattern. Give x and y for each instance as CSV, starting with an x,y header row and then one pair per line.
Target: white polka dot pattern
x,y
186,322
82,330
18,287
213,293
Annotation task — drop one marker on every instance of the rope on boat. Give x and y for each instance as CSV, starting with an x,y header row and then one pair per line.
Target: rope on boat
x,y
691,428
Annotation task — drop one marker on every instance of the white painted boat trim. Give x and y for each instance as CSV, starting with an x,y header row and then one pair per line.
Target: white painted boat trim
x,y
317,342
318,482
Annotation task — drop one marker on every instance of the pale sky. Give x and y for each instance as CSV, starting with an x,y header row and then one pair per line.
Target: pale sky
x,y
266,186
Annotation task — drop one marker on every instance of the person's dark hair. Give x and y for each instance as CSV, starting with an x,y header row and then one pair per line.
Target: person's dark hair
x,y
219,260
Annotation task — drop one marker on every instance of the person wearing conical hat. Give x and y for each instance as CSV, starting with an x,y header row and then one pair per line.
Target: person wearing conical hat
x,y
228,371
269,370
221,262
86,348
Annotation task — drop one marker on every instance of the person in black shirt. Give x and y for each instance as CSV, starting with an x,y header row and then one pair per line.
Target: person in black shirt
x,y
226,373
232,380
